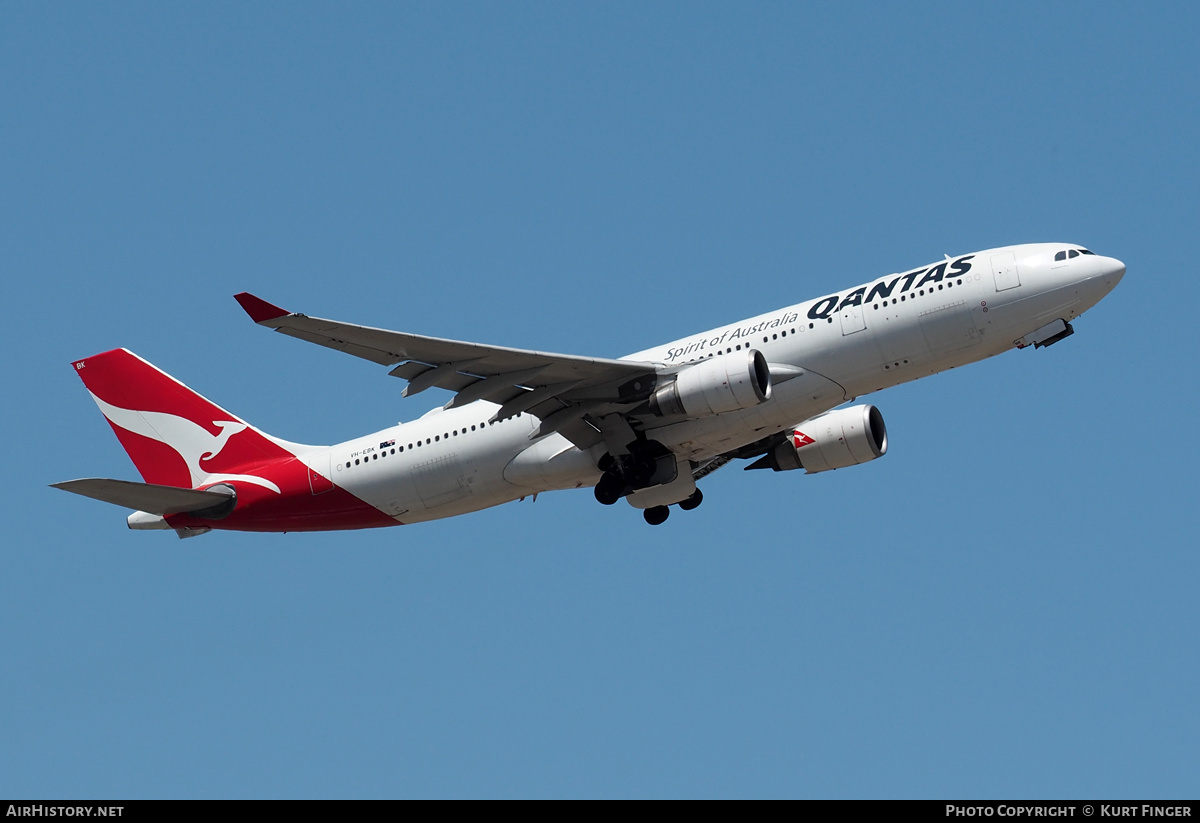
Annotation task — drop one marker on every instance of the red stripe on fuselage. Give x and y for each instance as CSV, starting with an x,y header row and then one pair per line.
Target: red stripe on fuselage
x,y
294,509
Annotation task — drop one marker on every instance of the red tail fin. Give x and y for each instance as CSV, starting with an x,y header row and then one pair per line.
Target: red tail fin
x,y
174,436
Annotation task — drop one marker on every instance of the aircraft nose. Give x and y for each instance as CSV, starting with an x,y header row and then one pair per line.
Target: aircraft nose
x,y
1112,270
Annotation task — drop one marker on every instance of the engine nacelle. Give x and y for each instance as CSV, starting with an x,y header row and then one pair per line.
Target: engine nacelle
x,y
834,440
716,385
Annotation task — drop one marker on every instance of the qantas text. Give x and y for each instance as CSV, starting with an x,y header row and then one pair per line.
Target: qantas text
x,y
826,306
884,287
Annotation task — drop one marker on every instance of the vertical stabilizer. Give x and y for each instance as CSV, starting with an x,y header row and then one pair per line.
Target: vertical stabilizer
x,y
174,436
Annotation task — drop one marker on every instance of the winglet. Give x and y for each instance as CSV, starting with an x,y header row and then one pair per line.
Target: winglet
x,y
260,310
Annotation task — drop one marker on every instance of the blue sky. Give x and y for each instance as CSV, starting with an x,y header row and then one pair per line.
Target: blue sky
x,y
1003,606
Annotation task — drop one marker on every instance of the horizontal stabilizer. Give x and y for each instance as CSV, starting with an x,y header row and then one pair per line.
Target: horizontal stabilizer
x,y
145,497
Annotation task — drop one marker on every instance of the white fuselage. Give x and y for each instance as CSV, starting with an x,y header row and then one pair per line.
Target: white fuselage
x,y
889,331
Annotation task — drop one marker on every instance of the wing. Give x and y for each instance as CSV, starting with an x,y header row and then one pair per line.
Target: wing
x,y
568,394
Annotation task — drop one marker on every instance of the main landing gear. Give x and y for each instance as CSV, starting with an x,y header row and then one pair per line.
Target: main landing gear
x,y
657,515
636,470
647,464
611,488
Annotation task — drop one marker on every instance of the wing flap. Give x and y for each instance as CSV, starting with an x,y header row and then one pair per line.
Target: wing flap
x,y
581,433
444,375
504,385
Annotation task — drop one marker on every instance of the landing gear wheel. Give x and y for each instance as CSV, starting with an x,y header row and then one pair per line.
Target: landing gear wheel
x,y
656,515
692,502
608,490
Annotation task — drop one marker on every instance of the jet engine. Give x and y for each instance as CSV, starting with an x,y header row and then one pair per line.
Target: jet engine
x,y
715,385
834,440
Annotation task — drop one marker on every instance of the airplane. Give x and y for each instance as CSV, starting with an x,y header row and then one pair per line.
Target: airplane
x,y
646,427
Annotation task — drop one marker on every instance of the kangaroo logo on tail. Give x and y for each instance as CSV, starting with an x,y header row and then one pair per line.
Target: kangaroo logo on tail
x,y
190,441
148,409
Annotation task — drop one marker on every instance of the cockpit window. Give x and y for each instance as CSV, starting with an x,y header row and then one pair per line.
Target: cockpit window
x,y
1071,253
